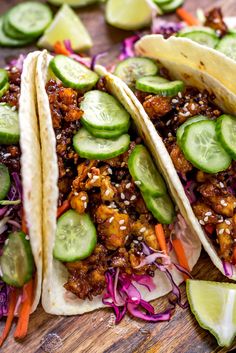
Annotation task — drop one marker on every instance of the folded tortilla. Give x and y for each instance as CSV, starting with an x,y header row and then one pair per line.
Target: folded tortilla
x,y
55,298
201,67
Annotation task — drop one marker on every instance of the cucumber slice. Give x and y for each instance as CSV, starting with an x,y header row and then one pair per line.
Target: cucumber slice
x,y
73,3
107,134
161,207
10,31
5,182
162,2
3,78
103,112
9,125
17,263
202,37
226,133
142,169
6,41
131,69
90,147
30,18
76,237
4,89
227,46
189,29
159,85
172,6
202,148
188,122
72,73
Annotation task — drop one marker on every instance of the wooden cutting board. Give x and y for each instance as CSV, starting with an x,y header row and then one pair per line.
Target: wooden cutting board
x,y
95,332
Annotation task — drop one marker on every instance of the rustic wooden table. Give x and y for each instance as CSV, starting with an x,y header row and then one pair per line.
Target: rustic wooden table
x,y
95,332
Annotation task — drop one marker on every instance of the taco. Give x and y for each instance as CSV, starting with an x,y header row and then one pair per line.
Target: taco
x,y
20,196
103,199
189,109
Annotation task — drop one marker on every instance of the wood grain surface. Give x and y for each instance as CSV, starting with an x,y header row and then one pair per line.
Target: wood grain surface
x,y
95,332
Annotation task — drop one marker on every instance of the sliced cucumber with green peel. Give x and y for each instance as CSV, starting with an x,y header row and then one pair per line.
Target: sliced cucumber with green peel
x,y
202,148
11,31
76,237
30,18
227,46
131,69
159,85
143,169
226,133
6,41
202,37
4,89
9,125
103,112
107,134
171,6
161,207
73,3
90,147
16,261
162,2
72,73
188,122
189,29
3,78
5,182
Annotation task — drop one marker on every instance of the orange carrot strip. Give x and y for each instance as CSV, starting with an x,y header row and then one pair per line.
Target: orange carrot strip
x,y
59,48
23,320
161,237
10,315
187,17
181,256
64,207
23,223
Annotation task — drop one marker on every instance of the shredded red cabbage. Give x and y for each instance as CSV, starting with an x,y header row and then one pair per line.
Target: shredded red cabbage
x,y
4,296
82,60
228,268
96,57
165,28
128,47
18,62
123,297
189,189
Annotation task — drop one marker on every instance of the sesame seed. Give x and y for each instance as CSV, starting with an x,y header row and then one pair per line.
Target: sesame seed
x,y
137,182
13,108
127,237
122,221
67,170
133,197
192,106
134,299
174,100
125,211
140,238
27,237
126,202
123,228
175,118
222,202
209,213
180,95
107,192
185,114
220,220
221,184
117,185
76,193
221,231
169,134
201,102
109,170
14,69
94,178
206,219
122,195
85,204
135,241
202,222
168,122
227,231
122,164
143,229
83,198
90,175
58,136
128,185
227,222
111,219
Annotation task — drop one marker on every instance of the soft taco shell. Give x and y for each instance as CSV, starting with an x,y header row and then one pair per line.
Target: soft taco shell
x,y
31,166
55,299
190,70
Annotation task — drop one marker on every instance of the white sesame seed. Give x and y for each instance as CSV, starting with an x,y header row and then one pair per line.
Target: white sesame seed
x,y
13,108
122,164
122,196
27,237
168,122
135,241
125,211
134,299
169,134
143,229
122,221
221,231
180,95
58,136
234,204
111,219
107,192
201,102
185,114
175,118
174,100
192,106
67,170
227,231
6,241
227,221
127,237
202,222
137,182
128,185
221,184
76,193
126,202
94,178
133,197
123,228
90,175
83,198
85,204
220,220
206,219
117,185
109,170
223,203
209,213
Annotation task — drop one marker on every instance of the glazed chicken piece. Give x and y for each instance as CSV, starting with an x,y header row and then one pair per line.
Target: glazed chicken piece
x,y
121,160
157,106
214,19
113,227
68,104
180,162
103,181
79,202
141,228
223,231
83,169
204,213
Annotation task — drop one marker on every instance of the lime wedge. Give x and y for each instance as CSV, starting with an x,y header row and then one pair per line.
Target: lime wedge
x,y
214,306
66,25
129,14
73,3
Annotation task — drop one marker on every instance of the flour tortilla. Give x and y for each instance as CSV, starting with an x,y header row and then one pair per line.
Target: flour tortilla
x,y
188,68
55,299
31,166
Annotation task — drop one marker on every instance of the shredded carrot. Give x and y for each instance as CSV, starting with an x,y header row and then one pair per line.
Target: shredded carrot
x,y
187,17
181,256
10,315
24,314
161,237
23,223
59,48
63,208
